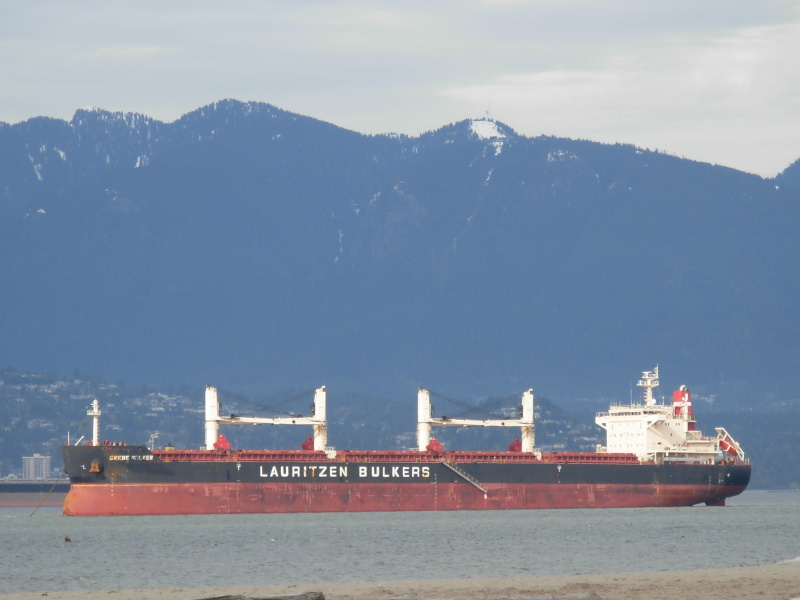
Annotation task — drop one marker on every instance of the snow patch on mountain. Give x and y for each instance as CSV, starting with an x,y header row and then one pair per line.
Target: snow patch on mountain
x,y
486,130
560,156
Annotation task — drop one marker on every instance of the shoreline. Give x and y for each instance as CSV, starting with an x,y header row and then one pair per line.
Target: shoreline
x,y
768,582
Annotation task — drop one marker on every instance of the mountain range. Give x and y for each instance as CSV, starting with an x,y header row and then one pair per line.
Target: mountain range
x,y
249,247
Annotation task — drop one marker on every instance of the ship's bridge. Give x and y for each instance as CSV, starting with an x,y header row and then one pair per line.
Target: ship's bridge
x,y
661,432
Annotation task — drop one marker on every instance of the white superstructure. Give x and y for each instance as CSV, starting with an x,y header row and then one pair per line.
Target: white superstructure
x,y
662,432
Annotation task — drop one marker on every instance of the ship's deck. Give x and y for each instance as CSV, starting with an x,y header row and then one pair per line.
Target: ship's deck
x,y
391,456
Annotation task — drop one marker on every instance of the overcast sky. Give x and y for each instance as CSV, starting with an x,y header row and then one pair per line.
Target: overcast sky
x,y
711,80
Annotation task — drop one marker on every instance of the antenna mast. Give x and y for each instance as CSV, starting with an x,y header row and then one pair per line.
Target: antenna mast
x,y
649,382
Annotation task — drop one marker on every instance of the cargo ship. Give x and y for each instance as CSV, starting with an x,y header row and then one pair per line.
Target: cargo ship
x,y
33,492
654,456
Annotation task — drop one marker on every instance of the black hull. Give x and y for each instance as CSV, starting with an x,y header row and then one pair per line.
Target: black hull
x,y
305,482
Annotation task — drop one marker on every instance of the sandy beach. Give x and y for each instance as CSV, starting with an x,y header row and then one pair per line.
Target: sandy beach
x,y
768,582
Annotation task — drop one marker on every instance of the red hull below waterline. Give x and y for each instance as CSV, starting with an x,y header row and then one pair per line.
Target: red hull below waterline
x,y
238,498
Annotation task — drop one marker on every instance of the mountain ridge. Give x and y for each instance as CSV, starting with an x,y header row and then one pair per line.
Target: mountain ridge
x,y
269,248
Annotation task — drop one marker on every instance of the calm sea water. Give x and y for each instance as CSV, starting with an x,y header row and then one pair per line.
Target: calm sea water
x,y
108,553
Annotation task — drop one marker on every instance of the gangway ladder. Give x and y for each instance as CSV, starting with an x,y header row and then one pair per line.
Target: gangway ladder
x,y
466,477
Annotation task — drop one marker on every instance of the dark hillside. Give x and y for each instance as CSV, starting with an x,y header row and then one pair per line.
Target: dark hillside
x,y
263,250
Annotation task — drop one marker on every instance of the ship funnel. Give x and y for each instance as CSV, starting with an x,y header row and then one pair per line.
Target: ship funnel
x,y
682,403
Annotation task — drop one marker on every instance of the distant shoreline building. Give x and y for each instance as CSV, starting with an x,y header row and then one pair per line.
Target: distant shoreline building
x,y
35,467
